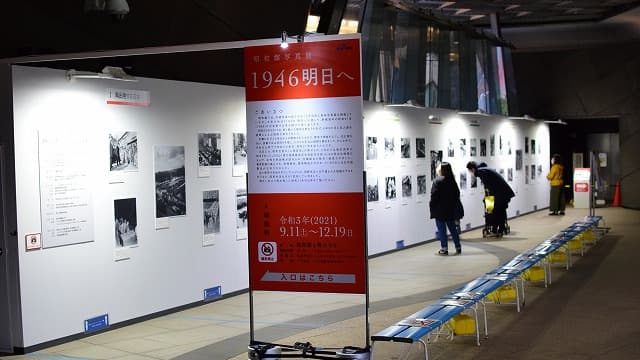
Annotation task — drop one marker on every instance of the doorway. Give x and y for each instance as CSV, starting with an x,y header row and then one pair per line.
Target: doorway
x,y
597,136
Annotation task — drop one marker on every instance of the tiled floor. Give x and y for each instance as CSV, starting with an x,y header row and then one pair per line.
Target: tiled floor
x,y
400,283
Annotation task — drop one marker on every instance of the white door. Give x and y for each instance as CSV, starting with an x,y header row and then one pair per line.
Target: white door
x,y
6,345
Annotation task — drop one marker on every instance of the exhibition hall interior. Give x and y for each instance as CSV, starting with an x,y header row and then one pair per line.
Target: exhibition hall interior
x,y
228,180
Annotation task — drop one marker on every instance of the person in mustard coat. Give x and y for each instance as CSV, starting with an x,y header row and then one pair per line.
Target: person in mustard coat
x,y
556,194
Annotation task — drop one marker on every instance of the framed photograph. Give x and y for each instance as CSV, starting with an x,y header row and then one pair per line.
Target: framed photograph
x,y
473,147
510,175
451,152
372,148
239,154
519,159
123,151
463,180
390,187
389,147
405,148
126,222
421,183
241,214
372,188
211,211
526,144
483,147
210,149
463,147
421,148
407,186
492,145
168,168
436,160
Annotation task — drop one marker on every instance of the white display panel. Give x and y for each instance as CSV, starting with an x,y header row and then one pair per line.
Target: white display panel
x,y
169,266
163,268
396,220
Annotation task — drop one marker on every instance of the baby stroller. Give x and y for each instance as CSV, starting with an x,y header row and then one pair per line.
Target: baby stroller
x,y
490,226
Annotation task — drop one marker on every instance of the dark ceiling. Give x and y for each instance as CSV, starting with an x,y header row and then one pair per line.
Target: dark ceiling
x,y
526,12
44,27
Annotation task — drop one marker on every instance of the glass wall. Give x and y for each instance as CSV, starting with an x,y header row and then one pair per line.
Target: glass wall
x,y
409,59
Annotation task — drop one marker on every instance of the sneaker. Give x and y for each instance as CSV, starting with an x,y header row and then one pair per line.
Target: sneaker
x,y
458,251
442,252
553,213
561,213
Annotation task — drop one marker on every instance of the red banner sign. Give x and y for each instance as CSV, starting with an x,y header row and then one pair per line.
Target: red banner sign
x,y
305,161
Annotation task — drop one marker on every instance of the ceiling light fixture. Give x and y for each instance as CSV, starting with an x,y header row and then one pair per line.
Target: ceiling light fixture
x,y
434,119
524,117
283,40
555,122
108,73
478,112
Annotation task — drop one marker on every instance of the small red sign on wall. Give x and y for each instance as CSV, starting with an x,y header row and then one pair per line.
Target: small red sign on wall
x,y
581,187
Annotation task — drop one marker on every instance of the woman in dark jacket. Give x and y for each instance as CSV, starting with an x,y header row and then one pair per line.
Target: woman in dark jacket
x,y
445,207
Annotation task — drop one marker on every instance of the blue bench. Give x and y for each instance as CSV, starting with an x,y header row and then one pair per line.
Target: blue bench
x,y
420,324
415,327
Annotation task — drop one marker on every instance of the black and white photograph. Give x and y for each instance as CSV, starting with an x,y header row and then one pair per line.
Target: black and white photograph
x,y
239,154
509,147
436,160
533,146
463,147
501,172
211,211
390,187
126,222
373,190
463,180
389,147
405,148
421,148
241,209
421,183
500,149
210,149
451,152
123,151
473,147
406,186
539,170
510,174
519,159
492,145
526,144
526,175
533,172
168,167
372,148
483,147
474,181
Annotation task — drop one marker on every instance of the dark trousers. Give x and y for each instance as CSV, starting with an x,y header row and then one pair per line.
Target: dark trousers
x,y
442,226
499,216
556,199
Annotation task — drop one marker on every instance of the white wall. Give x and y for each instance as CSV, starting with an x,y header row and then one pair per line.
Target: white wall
x,y
61,287
407,219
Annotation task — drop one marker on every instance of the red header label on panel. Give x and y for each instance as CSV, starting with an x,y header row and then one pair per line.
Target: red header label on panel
x,y
303,70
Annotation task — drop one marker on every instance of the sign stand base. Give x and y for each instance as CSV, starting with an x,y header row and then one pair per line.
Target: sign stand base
x,y
261,350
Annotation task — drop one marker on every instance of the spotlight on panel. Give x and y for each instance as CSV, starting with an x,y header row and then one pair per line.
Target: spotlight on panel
x,y
523,117
283,40
108,73
555,122
434,119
